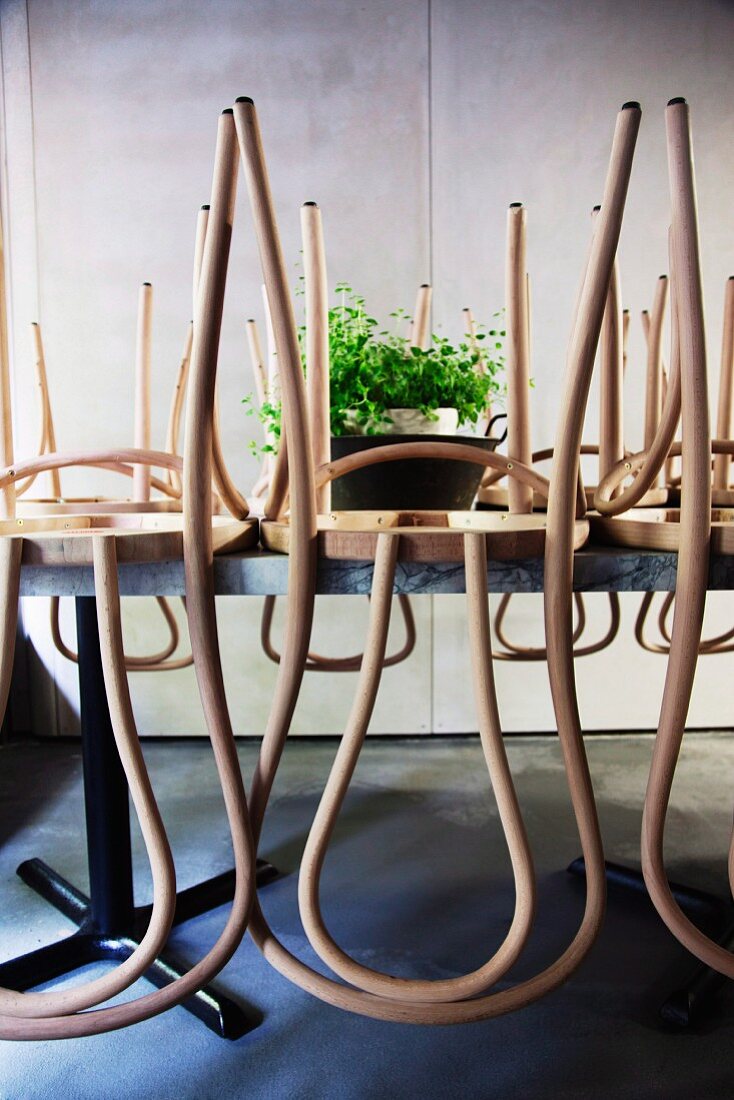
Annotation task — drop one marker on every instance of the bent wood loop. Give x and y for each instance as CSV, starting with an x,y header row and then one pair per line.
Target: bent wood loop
x,y
707,647
367,979
155,662
693,555
634,462
514,652
152,662
371,993
317,663
459,452
109,457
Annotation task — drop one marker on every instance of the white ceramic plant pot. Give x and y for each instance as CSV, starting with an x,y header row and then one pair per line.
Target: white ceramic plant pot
x,y
412,422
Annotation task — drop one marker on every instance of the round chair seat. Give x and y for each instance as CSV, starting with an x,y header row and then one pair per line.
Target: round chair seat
x,y
659,529
495,496
65,540
424,536
720,498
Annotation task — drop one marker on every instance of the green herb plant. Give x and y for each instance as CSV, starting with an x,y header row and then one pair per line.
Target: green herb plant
x,y
373,371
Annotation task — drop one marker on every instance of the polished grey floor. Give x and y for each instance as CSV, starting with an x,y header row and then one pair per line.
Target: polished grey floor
x,y
417,883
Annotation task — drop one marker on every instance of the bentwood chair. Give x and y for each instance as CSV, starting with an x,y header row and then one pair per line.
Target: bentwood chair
x,y
318,411
722,496
385,539
103,541
694,531
169,498
610,447
143,482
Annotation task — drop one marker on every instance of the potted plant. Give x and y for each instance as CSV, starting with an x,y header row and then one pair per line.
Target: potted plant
x,y
383,389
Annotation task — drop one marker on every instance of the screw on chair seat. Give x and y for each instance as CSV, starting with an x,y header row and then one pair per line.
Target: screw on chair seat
x,y
424,536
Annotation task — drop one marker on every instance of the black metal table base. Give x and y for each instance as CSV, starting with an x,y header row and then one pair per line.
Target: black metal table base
x,y
109,924
89,944
694,998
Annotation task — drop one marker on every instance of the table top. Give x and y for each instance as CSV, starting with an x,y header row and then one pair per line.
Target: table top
x,y
260,573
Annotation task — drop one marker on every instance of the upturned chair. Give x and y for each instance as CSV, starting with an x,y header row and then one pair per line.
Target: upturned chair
x,y
318,411
722,496
385,539
103,541
694,531
610,447
169,489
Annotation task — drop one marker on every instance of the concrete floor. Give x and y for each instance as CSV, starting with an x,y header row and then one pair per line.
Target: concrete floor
x,y
417,883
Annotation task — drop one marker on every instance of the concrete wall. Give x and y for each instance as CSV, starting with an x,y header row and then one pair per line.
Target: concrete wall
x,y
414,125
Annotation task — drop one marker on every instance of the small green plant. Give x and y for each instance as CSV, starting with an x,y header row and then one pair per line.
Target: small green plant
x,y
373,371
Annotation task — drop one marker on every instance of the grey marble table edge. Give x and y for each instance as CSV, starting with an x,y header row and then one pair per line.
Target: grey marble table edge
x,y
260,574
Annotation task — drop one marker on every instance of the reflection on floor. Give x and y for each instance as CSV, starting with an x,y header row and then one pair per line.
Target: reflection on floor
x,y
417,883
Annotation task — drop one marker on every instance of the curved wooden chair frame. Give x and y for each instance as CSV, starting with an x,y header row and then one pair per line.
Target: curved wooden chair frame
x,y
104,541
707,647
318,663
694,532
513,652
317,394
161,661
609,448
370,993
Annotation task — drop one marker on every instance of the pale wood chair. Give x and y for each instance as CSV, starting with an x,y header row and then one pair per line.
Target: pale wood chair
x,y
385,539
169,499
610,447
103,541
140,501
722,496
316,289
694,531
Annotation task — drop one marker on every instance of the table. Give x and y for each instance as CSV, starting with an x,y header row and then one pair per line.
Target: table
x,y
109,924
